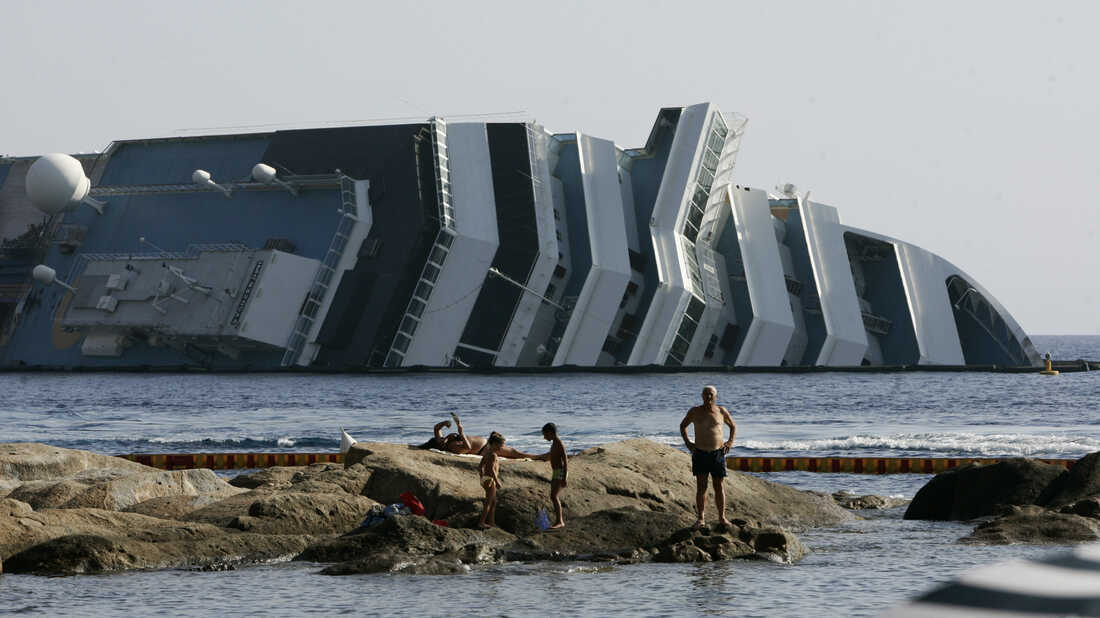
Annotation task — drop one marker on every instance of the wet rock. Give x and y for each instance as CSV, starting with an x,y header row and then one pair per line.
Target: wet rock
x,y
406,535
776,545
400,563
730,542
74,541
973,491
853,502
1089,507
1079,482
1034,525
684,551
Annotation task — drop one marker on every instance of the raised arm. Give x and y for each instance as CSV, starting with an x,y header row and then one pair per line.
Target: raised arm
x,y
462,434
684,431
733,429
438,429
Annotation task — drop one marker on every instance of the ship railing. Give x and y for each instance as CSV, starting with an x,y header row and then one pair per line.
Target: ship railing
x,y
418,303
442,173
326,270
191,253
300,181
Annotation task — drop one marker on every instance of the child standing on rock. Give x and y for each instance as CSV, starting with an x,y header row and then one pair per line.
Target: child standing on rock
x,y
558,466
489,470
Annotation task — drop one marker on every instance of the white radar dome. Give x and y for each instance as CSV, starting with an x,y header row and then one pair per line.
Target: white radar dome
x,y
263,173
56,181
44,274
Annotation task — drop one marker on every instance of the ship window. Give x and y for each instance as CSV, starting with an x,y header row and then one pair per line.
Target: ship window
x,y
438,254
687,328
710,161
423,290
559,271
714,142
705,178
695,309
401,342
445,239
431,272
416,307
409,324
679,348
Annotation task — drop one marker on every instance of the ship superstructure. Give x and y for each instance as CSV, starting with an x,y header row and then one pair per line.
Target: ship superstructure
x,y
465,244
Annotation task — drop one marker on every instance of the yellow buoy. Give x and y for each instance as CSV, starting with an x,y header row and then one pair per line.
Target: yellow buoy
x,y
1049,371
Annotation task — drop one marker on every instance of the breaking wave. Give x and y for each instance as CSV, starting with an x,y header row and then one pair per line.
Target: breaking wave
x,y
936,444
179,444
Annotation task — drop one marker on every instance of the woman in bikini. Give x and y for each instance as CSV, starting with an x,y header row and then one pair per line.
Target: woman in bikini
x,y
462,444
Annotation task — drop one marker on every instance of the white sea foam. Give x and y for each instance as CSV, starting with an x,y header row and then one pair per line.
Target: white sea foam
x,y
285,442
972,444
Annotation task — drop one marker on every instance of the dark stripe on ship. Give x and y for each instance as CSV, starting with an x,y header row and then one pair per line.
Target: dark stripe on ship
x,y
519,242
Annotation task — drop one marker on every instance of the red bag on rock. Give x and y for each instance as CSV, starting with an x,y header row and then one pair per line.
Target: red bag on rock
x,y
415,506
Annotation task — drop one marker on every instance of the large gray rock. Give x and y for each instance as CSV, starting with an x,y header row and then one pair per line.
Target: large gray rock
x,y
172,507
267,511
319,477
625,502
48,494
120,493
23,461
1035,525
1079,482
639,474
973,491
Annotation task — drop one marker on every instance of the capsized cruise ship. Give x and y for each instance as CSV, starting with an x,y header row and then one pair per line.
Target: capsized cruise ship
x,y
462,244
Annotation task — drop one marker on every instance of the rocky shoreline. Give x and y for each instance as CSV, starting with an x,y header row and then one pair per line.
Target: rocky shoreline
x,y
1017,501
69,512
65,512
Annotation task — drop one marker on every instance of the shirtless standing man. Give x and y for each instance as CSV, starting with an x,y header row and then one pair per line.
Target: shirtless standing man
x,y
708,452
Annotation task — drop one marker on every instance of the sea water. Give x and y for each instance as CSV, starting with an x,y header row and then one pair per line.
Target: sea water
x,y
858,568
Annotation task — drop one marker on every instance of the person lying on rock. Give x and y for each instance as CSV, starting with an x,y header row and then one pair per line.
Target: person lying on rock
x,y
489,470
462,444
708,452
558,468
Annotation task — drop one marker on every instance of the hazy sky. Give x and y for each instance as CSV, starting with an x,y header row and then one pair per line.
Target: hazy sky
x,y
970,129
